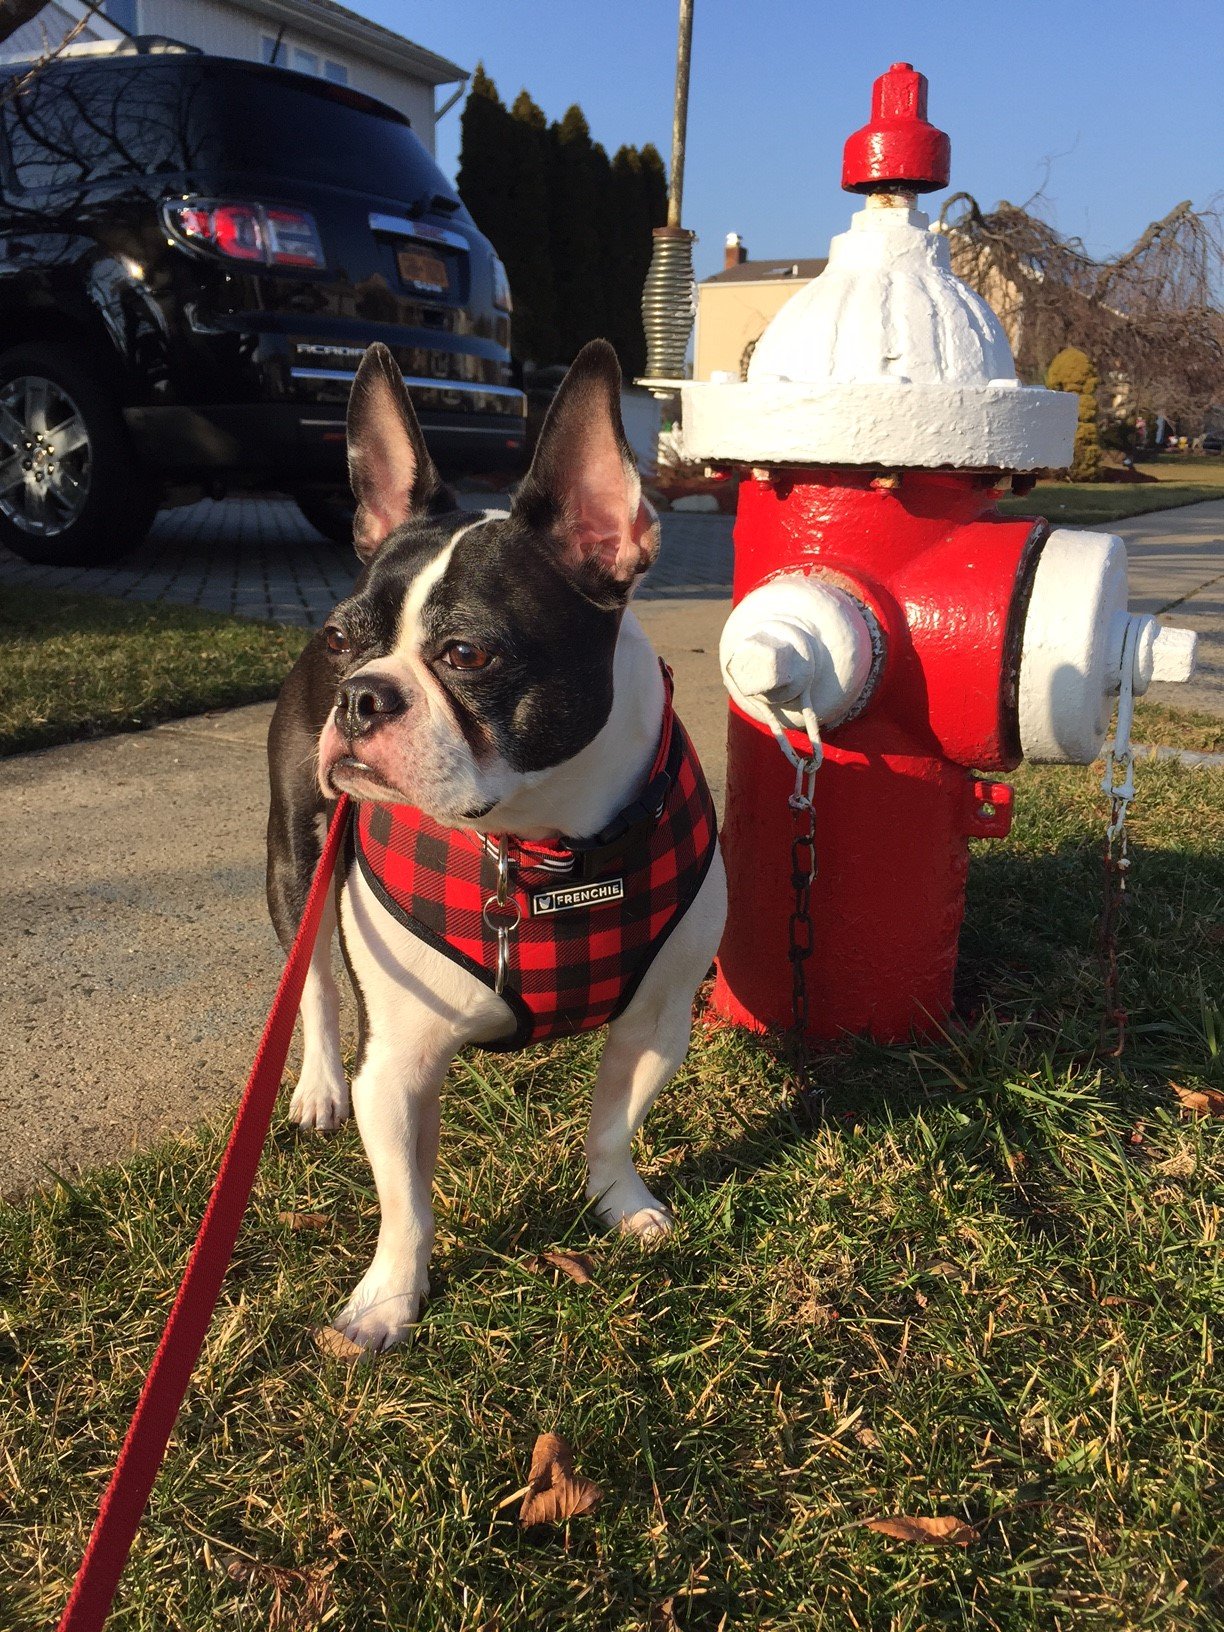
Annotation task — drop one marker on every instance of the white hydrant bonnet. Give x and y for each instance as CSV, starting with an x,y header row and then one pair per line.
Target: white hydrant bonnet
x,y
885,359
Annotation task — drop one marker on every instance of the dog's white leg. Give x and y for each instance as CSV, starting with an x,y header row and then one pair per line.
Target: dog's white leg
x,y
645,1048
641,1056
396,1097
420,1009
321,1098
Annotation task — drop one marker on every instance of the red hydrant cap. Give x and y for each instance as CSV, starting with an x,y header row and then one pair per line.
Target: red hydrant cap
x,y
898,149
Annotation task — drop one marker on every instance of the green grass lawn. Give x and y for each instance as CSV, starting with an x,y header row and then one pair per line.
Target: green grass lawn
x,y
983,1279
81,665
1186,467
1180,480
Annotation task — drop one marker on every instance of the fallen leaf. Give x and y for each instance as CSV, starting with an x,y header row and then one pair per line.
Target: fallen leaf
x,y
300,1598
947,1531
338,1346
554,1491
663,1616
921,1299
305,1221
942,1267
1200,1101
1114,1300
1137,1132
576,1265
867,1437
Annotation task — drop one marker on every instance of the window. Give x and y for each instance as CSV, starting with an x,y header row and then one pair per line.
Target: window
x,y
299,58
122,13
84,122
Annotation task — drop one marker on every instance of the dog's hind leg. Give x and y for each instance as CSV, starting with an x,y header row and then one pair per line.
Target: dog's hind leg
x,y
321,1098
645,1048
643,1052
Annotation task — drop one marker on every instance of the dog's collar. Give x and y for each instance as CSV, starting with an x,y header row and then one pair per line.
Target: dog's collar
x,y
586,859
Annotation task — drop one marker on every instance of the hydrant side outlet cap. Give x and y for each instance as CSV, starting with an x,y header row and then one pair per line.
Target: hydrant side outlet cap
x,y
898,148
796,638
1071,646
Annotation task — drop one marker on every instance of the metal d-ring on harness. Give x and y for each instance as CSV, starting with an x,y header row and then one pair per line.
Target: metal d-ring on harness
x,y
1118,784
502,914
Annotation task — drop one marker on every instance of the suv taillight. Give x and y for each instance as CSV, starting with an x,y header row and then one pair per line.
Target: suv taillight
x,y
247,232
501,287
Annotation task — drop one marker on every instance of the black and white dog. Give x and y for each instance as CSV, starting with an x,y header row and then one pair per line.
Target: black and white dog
x,y
486,671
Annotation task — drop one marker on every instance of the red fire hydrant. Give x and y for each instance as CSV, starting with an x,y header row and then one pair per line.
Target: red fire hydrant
x,y
882,604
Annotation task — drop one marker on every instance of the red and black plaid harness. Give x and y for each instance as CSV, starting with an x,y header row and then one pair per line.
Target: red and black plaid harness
x,y
594,912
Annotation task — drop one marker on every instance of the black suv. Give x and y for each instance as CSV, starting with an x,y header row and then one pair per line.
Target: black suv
x,y
194,252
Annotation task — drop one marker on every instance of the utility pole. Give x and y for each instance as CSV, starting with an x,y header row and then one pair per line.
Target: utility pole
x,y
684,56
668,297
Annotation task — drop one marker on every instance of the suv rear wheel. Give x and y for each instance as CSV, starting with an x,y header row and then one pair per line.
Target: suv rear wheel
x,y
329,511
70,494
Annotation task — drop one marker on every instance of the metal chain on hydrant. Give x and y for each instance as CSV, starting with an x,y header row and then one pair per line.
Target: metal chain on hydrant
x,y
1118,784
803,875
800,933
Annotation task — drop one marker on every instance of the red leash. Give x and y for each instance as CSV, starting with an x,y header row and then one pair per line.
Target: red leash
x,y
123,1504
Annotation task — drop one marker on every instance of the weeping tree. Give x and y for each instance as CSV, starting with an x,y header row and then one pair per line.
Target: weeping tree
x,y
1151,319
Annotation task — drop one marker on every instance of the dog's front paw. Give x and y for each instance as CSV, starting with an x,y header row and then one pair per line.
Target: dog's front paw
x,y
381,1310
320,1100
651,1225
627,1205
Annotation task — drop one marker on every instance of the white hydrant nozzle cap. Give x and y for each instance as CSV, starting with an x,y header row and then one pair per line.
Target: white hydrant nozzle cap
x,y
796,643
777,662
1074,639
1174,654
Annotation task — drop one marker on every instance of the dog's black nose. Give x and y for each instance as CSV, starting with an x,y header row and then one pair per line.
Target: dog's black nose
x,y
365,701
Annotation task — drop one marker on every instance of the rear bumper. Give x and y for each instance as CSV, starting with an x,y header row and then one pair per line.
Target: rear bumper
x,y
303,443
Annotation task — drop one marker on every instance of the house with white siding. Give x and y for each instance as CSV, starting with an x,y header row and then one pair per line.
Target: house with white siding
x,y
309,36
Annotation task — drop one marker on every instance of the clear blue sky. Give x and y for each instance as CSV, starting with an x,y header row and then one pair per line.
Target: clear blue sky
x,y
1123,98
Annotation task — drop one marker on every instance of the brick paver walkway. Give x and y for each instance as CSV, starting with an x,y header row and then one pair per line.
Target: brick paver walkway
x,y
258,558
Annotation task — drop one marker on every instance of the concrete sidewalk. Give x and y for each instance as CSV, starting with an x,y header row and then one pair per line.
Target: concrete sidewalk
x,y
139,960
1176,569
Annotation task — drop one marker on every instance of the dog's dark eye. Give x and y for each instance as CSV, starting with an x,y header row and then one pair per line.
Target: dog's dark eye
x,y
461,654
337,640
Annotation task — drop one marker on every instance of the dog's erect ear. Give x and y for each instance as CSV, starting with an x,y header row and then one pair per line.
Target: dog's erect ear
x,y
583,486
391,473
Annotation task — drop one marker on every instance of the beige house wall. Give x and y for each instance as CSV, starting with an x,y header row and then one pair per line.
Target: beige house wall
x,y
730,316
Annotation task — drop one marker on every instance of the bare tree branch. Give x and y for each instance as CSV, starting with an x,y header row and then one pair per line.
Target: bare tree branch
x,y
16,86
13,13
1150,319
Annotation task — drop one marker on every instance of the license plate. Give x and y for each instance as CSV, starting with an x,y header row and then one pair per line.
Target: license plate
x,y
421,270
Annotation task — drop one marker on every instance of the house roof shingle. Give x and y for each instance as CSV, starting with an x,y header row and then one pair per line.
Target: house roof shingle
x,y
770,271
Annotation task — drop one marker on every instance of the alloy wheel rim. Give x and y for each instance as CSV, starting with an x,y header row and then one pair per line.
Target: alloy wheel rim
x,y
45,456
